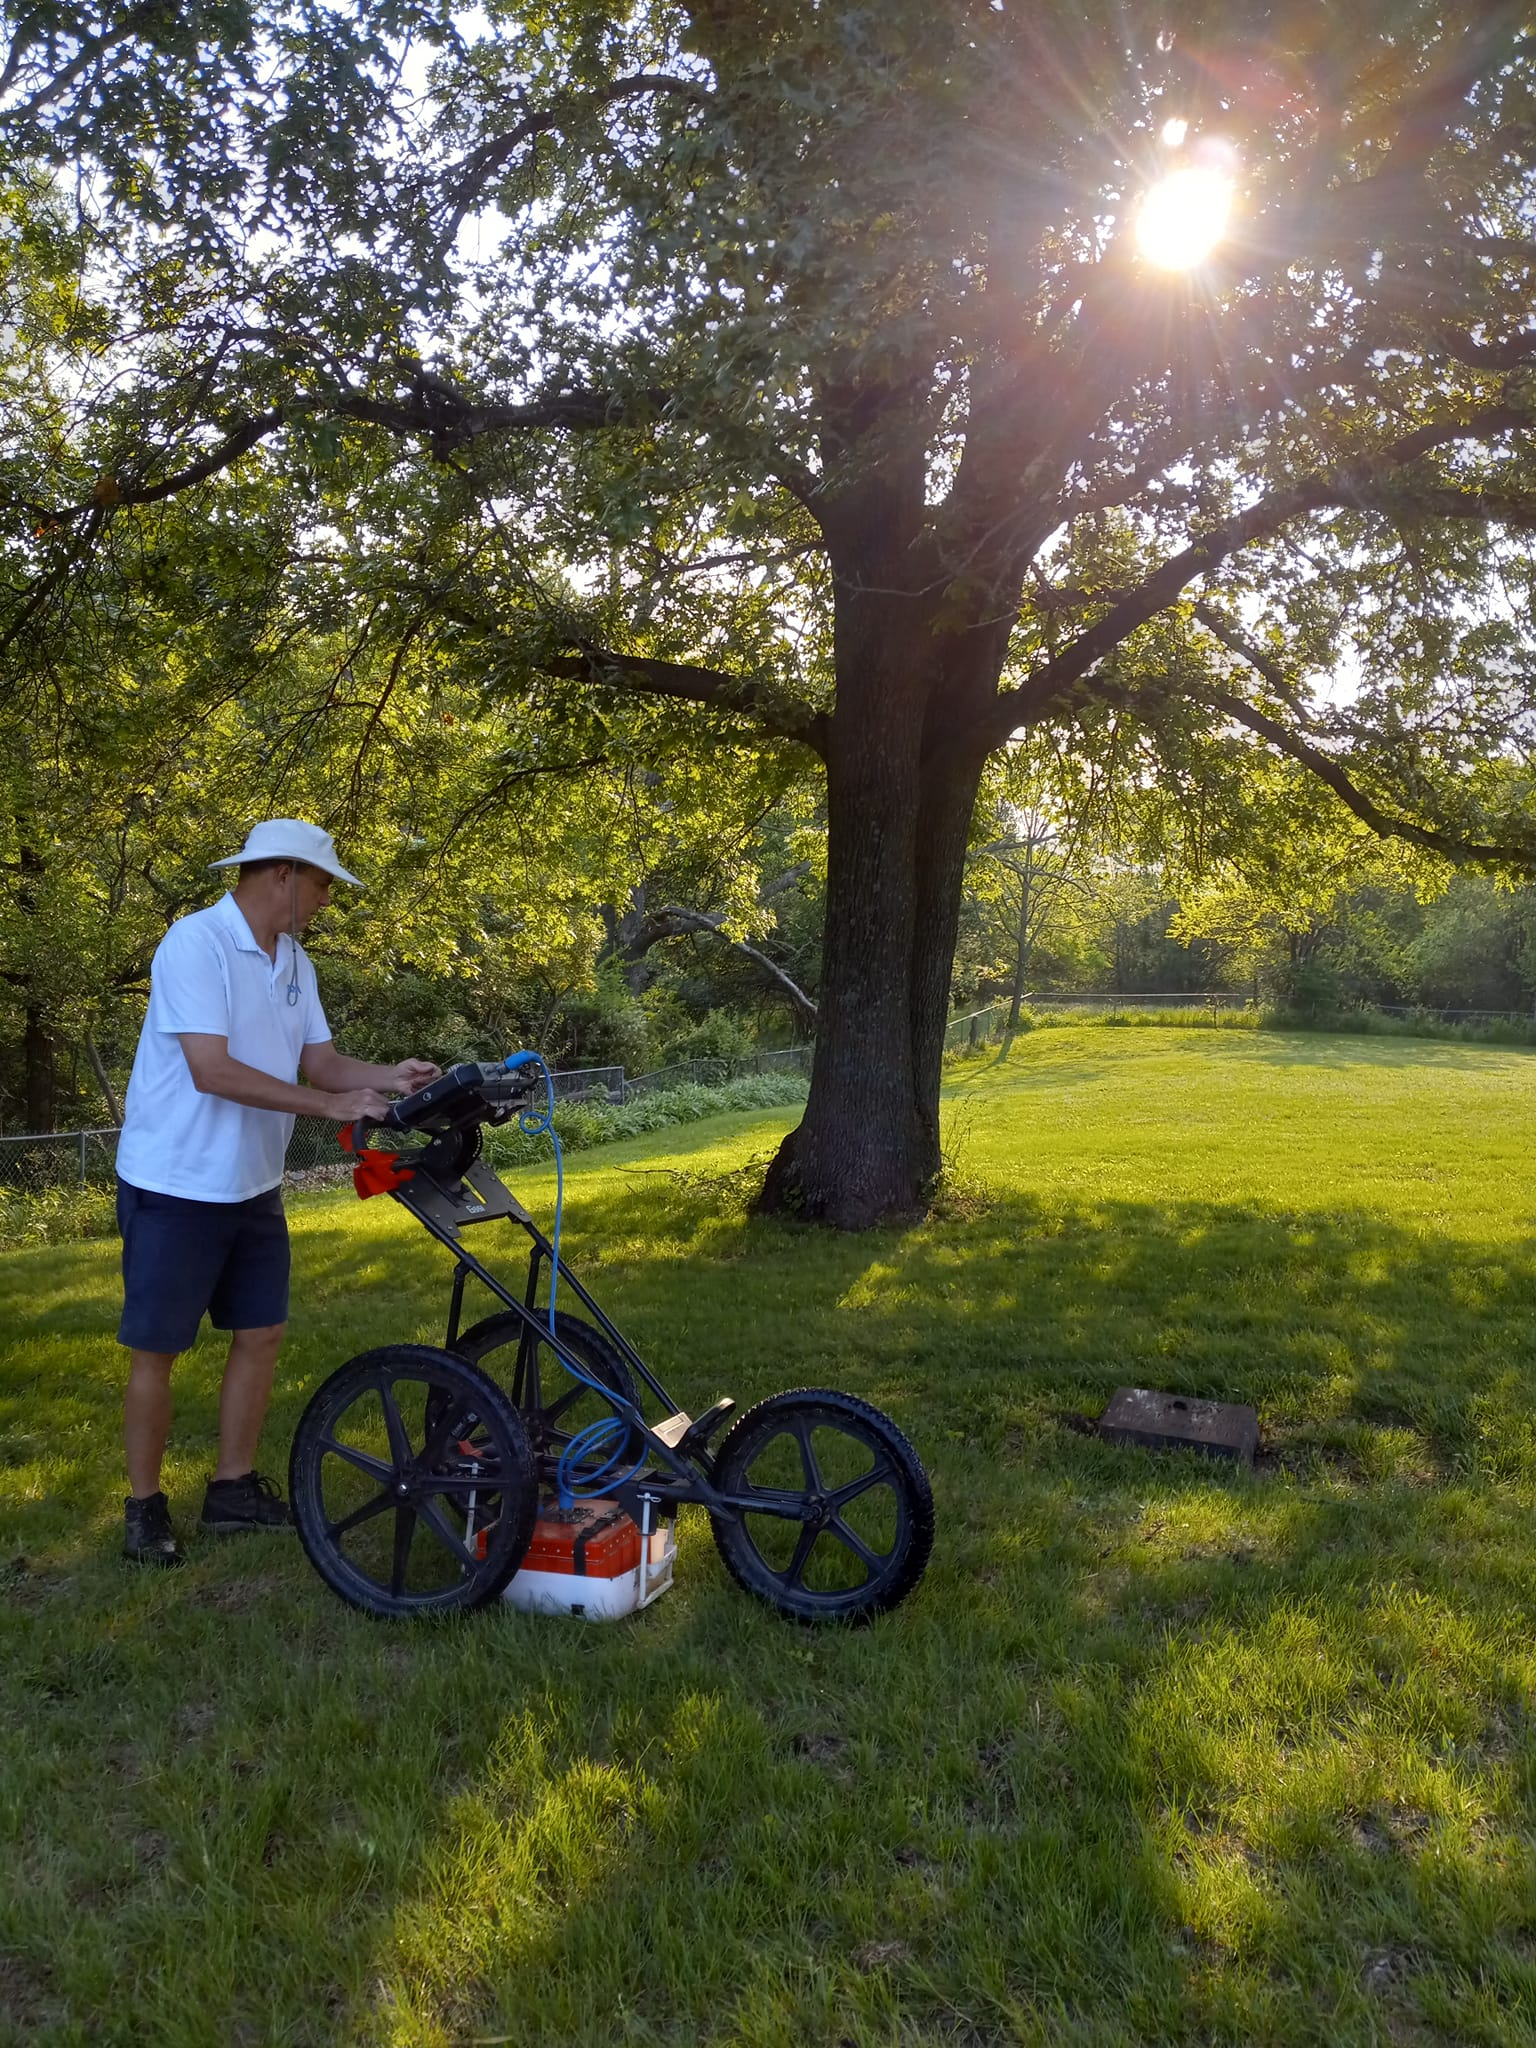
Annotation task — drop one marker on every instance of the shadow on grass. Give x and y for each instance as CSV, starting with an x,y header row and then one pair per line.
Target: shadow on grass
x,y
1159,1751
1326,1321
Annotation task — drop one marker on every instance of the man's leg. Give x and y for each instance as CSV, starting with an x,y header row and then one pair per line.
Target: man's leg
x,y
148,1537
169,1264
167,1270
244,1396
238,1497
147,1418
251,1302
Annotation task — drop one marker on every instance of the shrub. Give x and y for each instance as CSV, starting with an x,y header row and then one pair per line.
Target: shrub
x,y
719,1036
588,1122
602,1026
399,1015
55,1215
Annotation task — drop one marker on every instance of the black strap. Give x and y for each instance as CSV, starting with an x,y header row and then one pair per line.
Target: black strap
x,y
579,1548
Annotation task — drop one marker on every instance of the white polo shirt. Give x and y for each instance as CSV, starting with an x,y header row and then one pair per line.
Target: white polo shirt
x,y
210,975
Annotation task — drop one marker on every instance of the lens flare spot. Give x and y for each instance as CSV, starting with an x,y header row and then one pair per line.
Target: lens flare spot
x,y
1183,216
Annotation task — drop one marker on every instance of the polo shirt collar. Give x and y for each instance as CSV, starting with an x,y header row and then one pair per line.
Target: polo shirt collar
x,y
234,921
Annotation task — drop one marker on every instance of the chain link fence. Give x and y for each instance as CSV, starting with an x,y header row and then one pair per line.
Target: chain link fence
x,y
711,1073
978,1027
59,1159
54,1160
313,1145
1214,1000
39,1162
576,1083
47,1160
1114,1001
1437,1015
982,1027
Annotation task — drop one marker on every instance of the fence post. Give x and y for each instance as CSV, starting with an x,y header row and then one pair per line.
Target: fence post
x,y
82,1159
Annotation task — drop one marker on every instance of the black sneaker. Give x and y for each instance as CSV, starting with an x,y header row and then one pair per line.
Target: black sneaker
x,y
148,1537
253,1502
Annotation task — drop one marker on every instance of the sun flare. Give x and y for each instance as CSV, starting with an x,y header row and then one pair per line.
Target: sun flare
x,y
1183,216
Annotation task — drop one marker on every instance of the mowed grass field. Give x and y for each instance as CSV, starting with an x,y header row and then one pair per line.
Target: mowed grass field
x,y
1158,1752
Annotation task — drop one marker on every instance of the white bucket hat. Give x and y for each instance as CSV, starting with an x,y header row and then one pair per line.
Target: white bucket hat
x,y
290,839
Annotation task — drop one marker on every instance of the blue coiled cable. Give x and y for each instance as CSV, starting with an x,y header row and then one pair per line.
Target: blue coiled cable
x,y
608,1429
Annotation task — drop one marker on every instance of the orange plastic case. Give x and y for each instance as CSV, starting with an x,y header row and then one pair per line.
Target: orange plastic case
x,y
592,1539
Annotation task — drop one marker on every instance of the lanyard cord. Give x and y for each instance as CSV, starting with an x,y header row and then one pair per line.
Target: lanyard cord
x,y
293,939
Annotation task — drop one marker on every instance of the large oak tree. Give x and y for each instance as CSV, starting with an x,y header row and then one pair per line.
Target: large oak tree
x,y
795,365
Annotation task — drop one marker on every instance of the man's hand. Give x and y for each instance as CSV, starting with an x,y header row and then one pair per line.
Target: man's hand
x,y
351,1103
413,1074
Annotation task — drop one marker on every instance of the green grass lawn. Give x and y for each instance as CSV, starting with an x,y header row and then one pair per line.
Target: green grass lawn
x,y
1156,1753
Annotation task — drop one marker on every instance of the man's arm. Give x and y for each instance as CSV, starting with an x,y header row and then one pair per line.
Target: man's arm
x,y
324,1067
214,1072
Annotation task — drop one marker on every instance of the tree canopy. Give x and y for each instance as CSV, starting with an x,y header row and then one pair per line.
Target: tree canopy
x,y
791,378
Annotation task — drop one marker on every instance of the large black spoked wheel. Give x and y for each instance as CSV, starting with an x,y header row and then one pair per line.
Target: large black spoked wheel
x,y
412,1484
834,1513
565,1405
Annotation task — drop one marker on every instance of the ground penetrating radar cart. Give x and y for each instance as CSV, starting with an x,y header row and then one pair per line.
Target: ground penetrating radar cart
x,y
417,1475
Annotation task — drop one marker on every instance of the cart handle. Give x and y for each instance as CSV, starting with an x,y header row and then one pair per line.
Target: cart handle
x,y
469,1093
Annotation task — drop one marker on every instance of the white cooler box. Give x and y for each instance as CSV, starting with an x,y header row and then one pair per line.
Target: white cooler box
x,y
592,1562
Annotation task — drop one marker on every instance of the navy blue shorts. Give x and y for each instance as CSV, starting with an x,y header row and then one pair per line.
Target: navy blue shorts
x,y
183,1258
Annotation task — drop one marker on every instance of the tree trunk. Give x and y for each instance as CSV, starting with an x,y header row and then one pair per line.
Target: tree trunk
x,y
868,1147
624,930
901,792
858,1153
103,1080
37,1071
1021,951
949,803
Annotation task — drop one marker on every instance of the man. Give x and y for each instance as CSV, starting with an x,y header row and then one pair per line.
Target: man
x,y
234,1017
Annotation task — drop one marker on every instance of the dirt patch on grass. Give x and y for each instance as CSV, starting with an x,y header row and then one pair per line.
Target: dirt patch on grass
x,y
236,1596
1383,1969
880,1955
151,1850
1508,1732
1397,1831
126,1761
194,1719
821,1747
26,1994
29,1586
829,1752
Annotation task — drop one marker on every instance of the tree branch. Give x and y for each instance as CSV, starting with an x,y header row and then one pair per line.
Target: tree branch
x,y
447,417
1510,354
112,490
91,47
451,418
673,921
694,684
1492,41
1328,771
52,580
1238,643
497,151
1356,485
